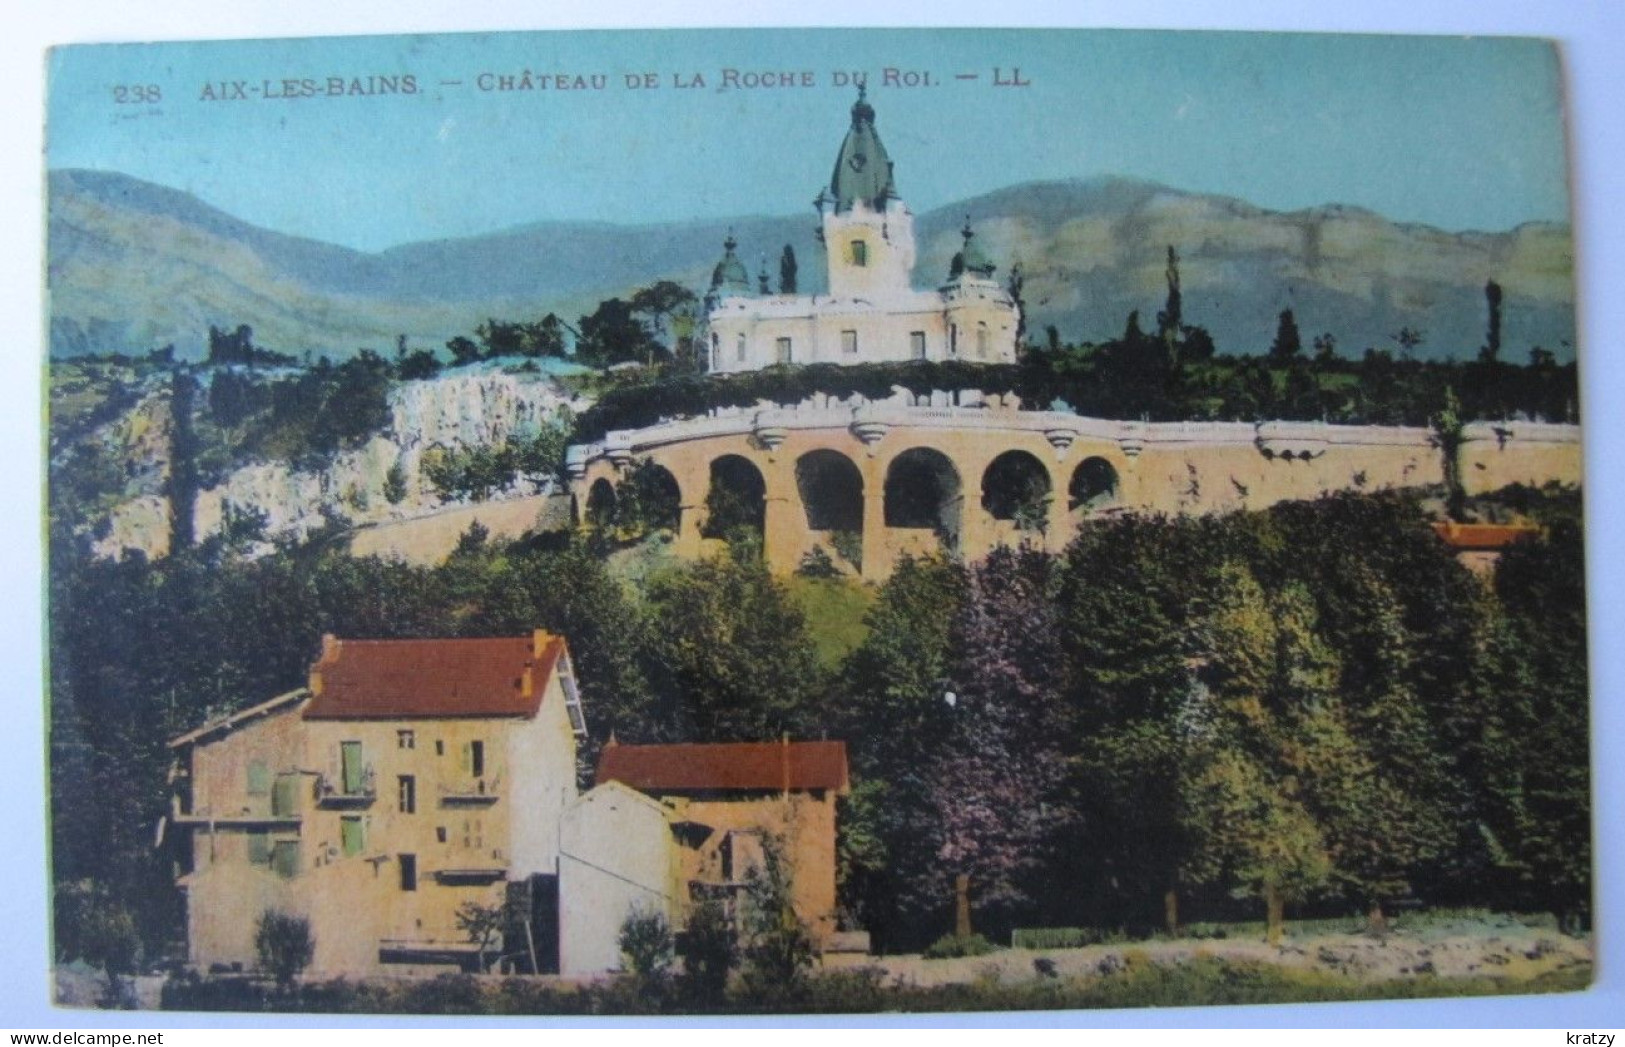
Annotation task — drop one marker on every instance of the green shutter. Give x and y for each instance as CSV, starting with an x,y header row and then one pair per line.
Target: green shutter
x,y
285,858
350,833
259,846
259,778
350,759
285,798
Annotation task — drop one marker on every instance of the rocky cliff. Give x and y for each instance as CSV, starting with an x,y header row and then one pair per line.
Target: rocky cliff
x,y
442,415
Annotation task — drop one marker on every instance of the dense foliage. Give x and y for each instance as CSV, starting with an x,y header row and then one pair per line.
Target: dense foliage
x,y
1312,706
1138,376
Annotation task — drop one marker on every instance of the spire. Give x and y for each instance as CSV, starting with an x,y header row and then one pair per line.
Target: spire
x,y
863,171
730,276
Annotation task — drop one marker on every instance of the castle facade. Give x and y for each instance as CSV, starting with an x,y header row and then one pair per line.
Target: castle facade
x,y
871,313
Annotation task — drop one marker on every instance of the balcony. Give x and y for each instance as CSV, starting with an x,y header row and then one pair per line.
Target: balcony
x,y
470,876
335,796
245,817
478,793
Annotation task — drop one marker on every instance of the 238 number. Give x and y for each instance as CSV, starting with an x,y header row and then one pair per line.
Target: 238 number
x,y
137,94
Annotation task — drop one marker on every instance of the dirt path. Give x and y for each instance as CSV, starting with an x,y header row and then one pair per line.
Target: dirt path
x,y
1511,952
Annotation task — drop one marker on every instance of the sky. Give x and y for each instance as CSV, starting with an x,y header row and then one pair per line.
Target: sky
x,y
1458,133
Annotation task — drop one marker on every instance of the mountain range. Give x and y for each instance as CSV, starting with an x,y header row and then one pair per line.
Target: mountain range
x,y
134,266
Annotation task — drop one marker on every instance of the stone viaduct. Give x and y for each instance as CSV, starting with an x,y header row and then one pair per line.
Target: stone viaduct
x,y
966,473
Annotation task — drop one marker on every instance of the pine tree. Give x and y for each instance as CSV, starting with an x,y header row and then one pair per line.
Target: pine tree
x,y
787,271
1287,342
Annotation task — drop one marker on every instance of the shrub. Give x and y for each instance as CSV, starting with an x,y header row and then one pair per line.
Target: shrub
x,y
647,944
709,952
951,946
284,945
817,564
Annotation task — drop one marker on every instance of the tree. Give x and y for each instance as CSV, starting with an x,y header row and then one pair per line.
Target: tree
x,y
1450,436
484,925
1287,344
612,335
1490,351
730,650
1407,338
284,945
659,302
1169,320
777,948
710,952
647,946
993,785
546,338
500,338
787,270
462,351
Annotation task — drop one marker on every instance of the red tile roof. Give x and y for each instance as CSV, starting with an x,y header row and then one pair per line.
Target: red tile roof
x,y
432,679
770,766
1462,536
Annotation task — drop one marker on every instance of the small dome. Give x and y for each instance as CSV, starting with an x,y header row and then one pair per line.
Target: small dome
x,y
970,258
730,275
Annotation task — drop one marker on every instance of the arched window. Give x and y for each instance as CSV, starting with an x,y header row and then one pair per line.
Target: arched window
x,y
1016,488
1093,486
984,341
736,500
831,490
923,490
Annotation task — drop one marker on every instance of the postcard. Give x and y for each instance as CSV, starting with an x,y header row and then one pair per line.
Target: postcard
x,y
808,521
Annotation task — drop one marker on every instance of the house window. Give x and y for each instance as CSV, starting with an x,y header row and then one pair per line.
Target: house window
x,y
716,350
409,872
285,796
849,341
439,747
406,740
783,348
350,766
259,847
285,858
983,341
259,778
352,835
473,833
916,344
860,253
408,794
440,834
474,759
953,339
739,348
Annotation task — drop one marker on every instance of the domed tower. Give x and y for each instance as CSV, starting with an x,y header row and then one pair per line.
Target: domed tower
x,y
729,278
982,316
868,234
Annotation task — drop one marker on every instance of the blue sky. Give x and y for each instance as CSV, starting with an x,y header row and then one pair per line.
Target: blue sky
x,y
1460,133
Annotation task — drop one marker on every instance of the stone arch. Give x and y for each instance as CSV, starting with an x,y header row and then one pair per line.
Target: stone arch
x,y
601,503
1094,485
923,491
1016,488
736,498
830,487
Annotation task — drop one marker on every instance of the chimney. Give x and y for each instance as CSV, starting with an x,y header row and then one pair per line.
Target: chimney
x,y
330,654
